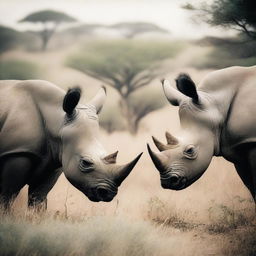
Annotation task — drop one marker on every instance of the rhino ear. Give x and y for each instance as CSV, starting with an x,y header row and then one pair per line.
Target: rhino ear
x,y
172,94
99,99
71,100
186,85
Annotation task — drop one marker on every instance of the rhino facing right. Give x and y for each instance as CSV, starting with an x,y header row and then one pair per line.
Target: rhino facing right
x,y
218,119
44,129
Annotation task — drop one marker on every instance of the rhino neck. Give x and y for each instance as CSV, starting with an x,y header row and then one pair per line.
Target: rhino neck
x,y
221,87
48,99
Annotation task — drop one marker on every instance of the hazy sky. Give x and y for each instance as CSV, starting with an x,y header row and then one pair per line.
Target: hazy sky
x,y
166,13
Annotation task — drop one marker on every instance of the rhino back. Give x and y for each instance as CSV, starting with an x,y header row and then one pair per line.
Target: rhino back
x,y
22,122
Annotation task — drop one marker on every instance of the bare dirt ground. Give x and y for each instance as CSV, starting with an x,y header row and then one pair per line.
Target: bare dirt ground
x,y
184,219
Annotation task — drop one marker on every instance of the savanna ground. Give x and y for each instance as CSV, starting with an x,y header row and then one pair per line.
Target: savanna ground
x,y
214,216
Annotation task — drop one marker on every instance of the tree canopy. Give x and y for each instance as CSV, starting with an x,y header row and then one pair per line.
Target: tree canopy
x,y
45,17
48,16
234,14
126,66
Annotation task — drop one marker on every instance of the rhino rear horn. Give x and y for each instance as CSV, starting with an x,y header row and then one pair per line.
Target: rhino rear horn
x,y
171,140
123,171
99,99
71,100
159,144
111,159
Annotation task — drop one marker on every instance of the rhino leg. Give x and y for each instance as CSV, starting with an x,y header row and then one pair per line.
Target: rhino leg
x,y
39,189
252,164
246,167
14,174
244,172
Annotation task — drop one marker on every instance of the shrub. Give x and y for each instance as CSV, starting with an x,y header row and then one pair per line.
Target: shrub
x,y
16,69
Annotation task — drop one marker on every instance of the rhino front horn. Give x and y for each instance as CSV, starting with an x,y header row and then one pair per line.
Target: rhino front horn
x,y
158,162
124,170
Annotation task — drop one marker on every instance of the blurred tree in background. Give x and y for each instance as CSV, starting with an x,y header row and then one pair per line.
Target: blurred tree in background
x,y
127,66
238,15
17,69
225,52
50,21
132,29
8,38
234,14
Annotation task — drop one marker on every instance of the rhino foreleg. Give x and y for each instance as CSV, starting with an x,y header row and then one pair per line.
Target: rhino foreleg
x,y
244,171
252,165
39,189
14,173
246,168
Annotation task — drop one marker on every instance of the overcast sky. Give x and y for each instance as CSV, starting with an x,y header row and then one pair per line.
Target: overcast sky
x,y
165,13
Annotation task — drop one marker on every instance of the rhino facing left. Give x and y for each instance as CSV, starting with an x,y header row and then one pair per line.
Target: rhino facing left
x,y
44,131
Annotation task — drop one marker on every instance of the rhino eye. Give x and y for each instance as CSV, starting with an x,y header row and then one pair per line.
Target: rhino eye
x,y
190,152
85,165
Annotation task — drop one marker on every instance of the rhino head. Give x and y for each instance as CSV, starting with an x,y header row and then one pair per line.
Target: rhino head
x,y
186,156
85,162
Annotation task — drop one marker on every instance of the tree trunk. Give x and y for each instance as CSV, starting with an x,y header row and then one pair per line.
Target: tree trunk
x,y
45,36
129,115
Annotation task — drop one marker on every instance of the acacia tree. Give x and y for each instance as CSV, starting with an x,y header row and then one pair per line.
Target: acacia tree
x,y
127,66
234,14
132,29
50,20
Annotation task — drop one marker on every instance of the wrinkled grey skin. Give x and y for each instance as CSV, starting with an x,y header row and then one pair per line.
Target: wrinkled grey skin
x,y
38,137
218,119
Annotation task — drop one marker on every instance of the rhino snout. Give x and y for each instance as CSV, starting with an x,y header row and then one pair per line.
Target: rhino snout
x,y
105,193
173,181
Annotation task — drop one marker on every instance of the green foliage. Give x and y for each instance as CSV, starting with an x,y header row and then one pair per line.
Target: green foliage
x,y
48,16
235,14
16,69
227,52
8,38
125,65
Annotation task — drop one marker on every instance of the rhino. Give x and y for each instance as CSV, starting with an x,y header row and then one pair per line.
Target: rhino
x,y
44,131
216,119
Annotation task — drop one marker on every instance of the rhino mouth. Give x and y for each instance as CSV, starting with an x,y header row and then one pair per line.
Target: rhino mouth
x,y
173,180
104,193
177,180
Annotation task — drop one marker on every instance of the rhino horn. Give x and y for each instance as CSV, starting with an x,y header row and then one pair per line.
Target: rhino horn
x,y
171,140
156,158
159,145
111,158
98,100
123,171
